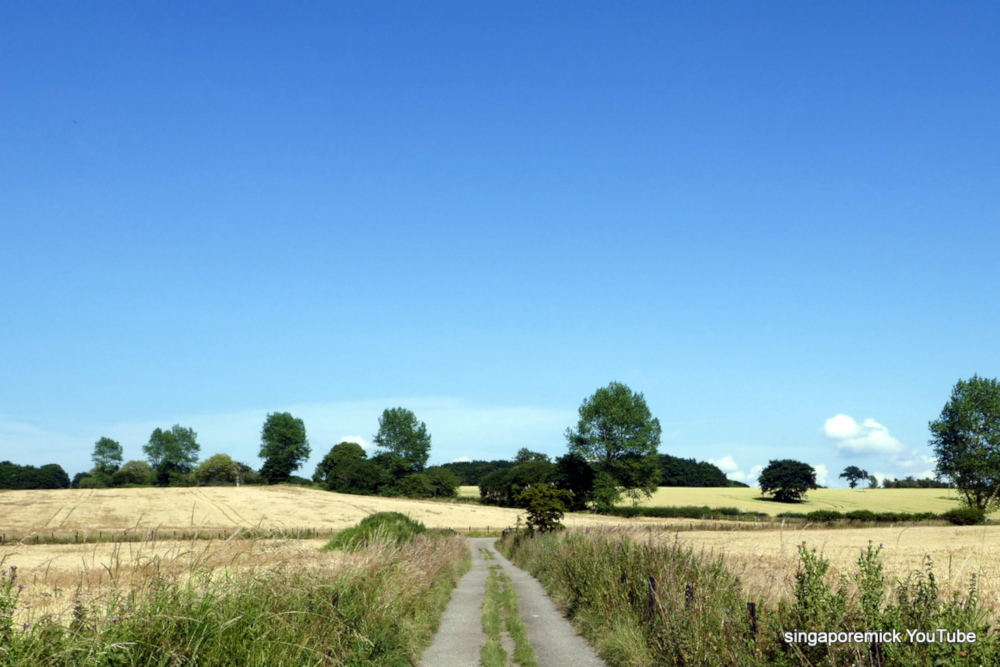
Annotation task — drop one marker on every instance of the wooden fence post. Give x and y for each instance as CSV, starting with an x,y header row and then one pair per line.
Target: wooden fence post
x,y
752,610
651,596
876,651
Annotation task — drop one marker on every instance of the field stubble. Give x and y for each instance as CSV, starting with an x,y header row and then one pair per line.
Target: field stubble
x,y
766,560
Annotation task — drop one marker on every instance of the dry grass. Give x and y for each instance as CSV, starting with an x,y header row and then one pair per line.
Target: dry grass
x,y
60,576
766,561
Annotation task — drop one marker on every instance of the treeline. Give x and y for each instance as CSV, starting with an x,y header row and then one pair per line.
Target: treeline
x,y
910,483
18,477
348,469
471,473
676,471
572,472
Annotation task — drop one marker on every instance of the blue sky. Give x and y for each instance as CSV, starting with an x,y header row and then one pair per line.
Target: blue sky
x,y
779,221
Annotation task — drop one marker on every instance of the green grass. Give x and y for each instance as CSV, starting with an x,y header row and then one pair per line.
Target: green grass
x,y
382,526
501,612
492,653
696,612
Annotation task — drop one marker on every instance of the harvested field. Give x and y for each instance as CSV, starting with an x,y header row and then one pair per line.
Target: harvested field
x,y
88,511
54,572
766,561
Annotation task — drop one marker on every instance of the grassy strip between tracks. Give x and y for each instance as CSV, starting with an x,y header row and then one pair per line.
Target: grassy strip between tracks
x,y
501,612
379,605
641,601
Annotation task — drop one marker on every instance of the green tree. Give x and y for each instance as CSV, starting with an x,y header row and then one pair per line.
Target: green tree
x,y
787,480
107,456
546,506
400,433
619,437
503,487
283,446
966,441
443,482
220,468
134,473
853,475
524,455
343,453
172,454
575,475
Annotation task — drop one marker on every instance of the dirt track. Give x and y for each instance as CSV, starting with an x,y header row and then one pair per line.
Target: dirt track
x,y
460,637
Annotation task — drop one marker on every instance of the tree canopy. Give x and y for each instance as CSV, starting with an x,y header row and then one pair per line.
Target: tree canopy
x,y
966,441
618,436
853,475
675,471
402,434
218,469
787,480
172,453
283,446
49,476
107,456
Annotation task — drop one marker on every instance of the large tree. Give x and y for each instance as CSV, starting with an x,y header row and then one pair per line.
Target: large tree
x,y
853,475
619,437
172,453
787,480
402,434
283,446
108,456
966,441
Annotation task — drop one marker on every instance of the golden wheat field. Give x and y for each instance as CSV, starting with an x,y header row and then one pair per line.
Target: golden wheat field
x,y
57,576
842,500
89,511
766,561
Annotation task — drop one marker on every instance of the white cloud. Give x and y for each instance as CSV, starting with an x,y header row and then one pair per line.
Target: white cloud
x,y
357,439
822,473
462,459
726,464
732,469
853,439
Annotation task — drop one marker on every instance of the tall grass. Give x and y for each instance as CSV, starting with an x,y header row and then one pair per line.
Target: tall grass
x,y
377,606
642,602
391,527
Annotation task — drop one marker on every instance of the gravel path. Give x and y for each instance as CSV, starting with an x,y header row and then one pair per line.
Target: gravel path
x,y
458,640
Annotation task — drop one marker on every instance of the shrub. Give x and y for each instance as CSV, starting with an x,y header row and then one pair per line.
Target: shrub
x,y
382,526
965,516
